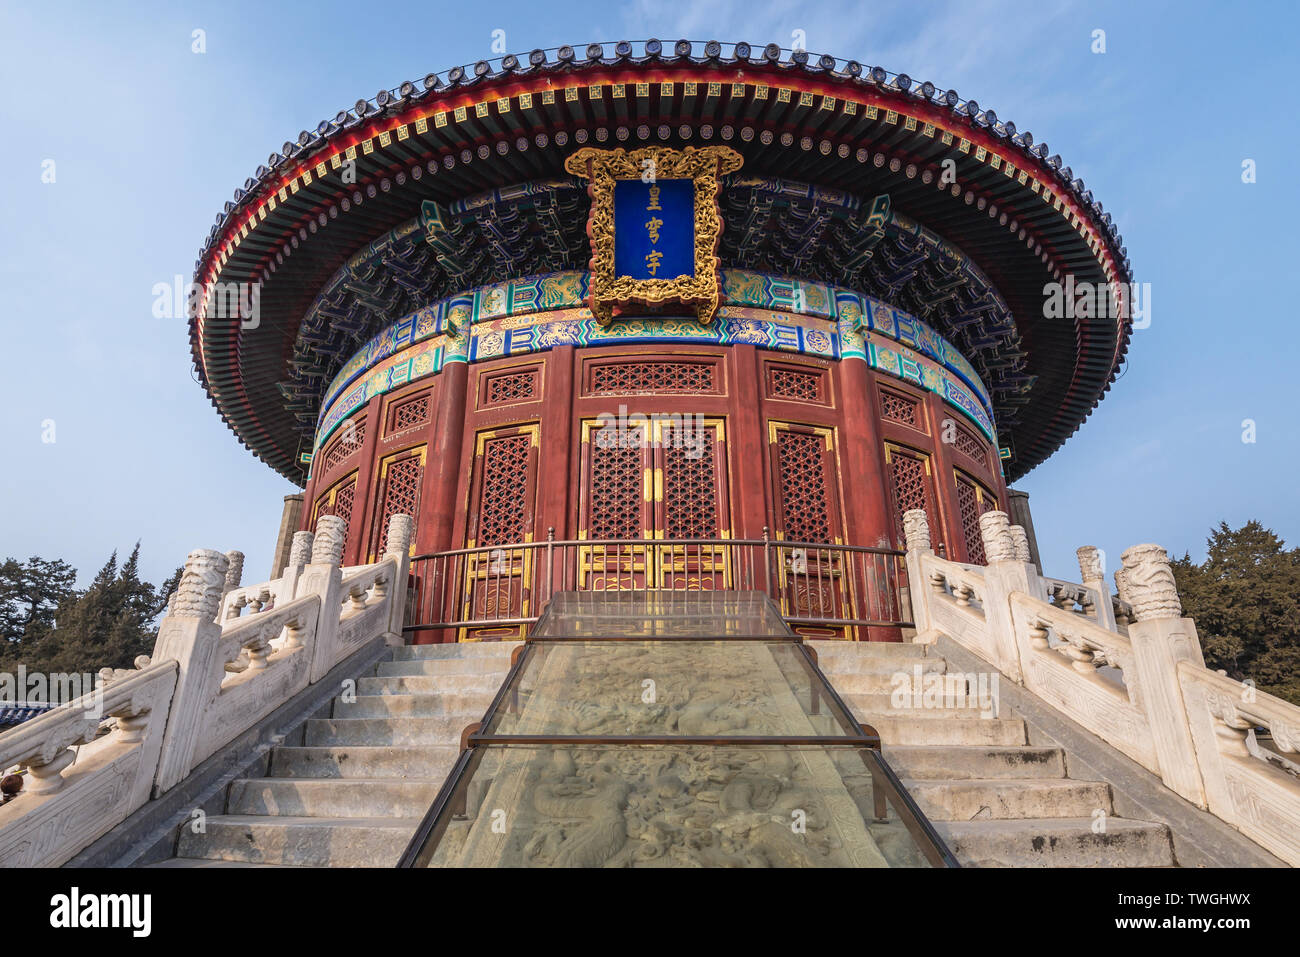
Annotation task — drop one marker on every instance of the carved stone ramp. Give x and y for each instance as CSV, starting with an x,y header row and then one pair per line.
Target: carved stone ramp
x,y
350,790
996,800
671,729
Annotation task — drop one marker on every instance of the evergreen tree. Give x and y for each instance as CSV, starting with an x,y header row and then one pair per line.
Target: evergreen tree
x,y
106,625
1245,598
30,593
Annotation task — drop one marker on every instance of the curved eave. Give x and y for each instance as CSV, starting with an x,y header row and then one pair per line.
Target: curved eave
x,y
259,234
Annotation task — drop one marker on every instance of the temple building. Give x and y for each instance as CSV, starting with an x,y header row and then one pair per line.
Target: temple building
x,y
634,294
623,385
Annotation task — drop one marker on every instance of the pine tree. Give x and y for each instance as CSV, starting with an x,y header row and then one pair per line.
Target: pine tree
x,y
107,624
30,593
1245,598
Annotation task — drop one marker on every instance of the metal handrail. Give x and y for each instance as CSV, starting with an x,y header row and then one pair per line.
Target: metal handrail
x,y
507,586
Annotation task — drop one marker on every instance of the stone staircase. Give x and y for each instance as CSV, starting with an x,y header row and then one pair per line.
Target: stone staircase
x,y
996,800
351,789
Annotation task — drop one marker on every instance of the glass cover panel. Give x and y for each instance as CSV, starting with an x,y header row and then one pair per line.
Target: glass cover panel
x,y
687,805
707,689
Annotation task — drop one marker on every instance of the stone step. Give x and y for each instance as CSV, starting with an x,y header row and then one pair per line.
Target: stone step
x,y
880,702
412,705
965,762
911,730
431,684
417,761
1057,842
1003,799
883,682
337,797
834,666
836,651
206,862
304,841
441,729
463,649
477,665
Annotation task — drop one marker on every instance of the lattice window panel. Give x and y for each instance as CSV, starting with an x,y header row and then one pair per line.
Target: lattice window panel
x,y
965,442
617,469
911,480
690,491
338,502
409,413
349,441
634,378
503,507
401,493
900,408
805,496
801,385
506,387
972,502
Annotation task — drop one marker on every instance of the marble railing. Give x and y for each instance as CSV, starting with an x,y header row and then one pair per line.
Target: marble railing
x,y
226,657
1127,667
89,762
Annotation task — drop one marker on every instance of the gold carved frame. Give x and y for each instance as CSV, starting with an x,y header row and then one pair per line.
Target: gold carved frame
x,y
603,168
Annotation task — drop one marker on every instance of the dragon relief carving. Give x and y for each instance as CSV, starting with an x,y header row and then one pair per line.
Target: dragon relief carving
x,y
592,806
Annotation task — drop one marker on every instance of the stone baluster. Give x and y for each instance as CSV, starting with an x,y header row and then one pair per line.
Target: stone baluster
x,y
299,558
1121,592
401,533
1161,638
191,636
1020,541
301,549
916,532
1005,574
1093,575
995,529
234,571
322,575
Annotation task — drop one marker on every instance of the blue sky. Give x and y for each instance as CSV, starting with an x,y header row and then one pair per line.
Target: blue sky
x,y
149,140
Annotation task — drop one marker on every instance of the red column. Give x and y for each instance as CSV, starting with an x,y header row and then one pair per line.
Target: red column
x,y
443,464
945,485
752,506
866,487
439,504
866,483
556,467
363,509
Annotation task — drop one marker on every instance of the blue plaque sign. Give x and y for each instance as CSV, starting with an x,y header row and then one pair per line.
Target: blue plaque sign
x,y
654,228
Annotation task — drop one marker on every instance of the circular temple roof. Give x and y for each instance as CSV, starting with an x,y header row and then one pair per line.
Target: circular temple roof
x,y
980,218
